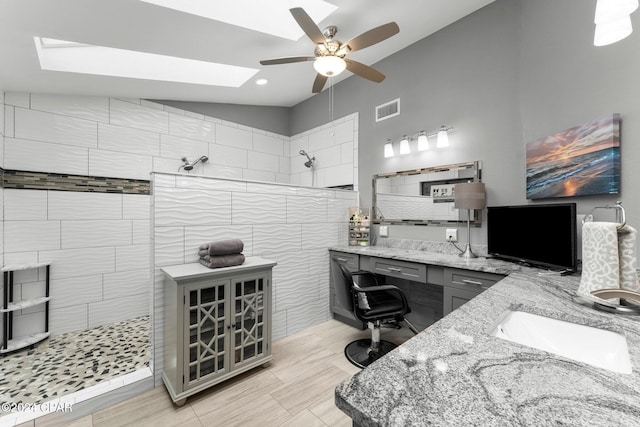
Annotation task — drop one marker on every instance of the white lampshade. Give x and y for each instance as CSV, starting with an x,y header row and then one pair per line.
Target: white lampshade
x,y
404,145
423,142
329,65
443,138
610,32
612,10
388,149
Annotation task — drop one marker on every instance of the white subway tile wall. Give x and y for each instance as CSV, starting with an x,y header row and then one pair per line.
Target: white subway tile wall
x,y
99,243
291,225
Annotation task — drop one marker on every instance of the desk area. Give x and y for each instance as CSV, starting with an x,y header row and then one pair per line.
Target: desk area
x,y
435,283
455,373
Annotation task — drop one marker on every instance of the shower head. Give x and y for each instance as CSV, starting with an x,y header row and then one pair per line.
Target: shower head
x,y
304,153
202,159
189,166
309,161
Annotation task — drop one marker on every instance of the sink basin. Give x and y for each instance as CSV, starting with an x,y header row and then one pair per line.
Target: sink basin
x,y
597,347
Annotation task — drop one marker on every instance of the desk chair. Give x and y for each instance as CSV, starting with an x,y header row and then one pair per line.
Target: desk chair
x,y
375,305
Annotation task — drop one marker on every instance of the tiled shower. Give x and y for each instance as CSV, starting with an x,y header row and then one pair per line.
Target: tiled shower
x,y
98,236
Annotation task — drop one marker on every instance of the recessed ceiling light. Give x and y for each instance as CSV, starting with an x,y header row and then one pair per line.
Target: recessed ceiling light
x,y
262,82
73,57
259,15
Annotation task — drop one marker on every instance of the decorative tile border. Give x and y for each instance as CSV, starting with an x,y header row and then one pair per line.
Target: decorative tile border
x,y
64,182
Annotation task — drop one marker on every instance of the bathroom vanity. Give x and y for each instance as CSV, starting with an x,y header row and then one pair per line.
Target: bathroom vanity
x,y
457,372
217,323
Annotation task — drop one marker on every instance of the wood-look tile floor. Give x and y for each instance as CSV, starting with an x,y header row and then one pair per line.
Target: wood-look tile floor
x,y
295,389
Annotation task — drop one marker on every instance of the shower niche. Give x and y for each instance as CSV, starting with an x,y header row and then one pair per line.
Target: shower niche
x,y
10,306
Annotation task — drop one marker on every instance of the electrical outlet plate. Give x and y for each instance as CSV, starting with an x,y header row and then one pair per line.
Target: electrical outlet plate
x,y
384,231
451,235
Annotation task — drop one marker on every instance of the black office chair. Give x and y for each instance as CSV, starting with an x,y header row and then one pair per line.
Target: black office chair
x,y
375,305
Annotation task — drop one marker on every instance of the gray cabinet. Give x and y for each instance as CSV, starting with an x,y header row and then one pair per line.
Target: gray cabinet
x,y
460,286
340,312
217,324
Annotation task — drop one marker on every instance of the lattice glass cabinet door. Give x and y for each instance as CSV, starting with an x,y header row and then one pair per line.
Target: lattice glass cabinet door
x,y
207,317
249,297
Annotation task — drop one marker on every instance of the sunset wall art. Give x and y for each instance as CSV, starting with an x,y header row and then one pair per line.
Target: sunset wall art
x,y
581,161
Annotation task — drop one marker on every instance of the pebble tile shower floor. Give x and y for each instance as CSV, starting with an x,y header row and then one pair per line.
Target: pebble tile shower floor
x,y
73,361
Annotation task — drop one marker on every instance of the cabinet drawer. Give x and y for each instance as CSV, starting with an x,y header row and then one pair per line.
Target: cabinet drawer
x,y
400,269
453,298
472,280
350,260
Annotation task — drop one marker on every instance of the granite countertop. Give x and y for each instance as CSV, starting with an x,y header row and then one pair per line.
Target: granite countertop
x,y
454,373
487,265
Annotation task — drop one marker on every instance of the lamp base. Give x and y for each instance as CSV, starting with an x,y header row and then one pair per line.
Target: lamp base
x,y
468,253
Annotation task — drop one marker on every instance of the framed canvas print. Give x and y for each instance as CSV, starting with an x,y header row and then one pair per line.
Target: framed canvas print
x,y
581,161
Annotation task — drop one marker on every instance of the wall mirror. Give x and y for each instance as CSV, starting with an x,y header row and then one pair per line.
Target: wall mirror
x,y
423,196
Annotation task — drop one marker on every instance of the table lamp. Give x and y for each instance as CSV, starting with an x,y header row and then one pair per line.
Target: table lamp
x,y
469,195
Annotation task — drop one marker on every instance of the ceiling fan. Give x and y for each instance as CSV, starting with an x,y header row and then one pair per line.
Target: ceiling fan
x,y
330,54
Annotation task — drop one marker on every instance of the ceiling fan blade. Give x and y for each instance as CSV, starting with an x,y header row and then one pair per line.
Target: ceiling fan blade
x,y
318,83
364,71
287,60
308,26
371,37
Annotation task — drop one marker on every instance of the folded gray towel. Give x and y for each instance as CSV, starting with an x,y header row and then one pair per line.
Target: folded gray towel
x,y
222,247
218,261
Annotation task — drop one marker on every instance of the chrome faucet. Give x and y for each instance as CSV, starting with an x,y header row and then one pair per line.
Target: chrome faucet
x,y
629,300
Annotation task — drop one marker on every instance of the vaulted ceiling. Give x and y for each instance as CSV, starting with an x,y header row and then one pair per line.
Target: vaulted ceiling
x,y
143,27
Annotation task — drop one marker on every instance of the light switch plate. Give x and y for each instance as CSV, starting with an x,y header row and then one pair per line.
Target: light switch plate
x,y
384,231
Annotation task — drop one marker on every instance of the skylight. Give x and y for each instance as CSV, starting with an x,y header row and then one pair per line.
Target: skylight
x,y
271,17
73,57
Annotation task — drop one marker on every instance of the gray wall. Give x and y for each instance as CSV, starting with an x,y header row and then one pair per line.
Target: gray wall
x,y
566,81
272,119
506,75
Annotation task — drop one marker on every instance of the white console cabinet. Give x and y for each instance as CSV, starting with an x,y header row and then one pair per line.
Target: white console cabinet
x,y
217,323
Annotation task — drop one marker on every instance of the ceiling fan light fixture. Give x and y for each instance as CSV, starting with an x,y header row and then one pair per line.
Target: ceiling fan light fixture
x,y
329,66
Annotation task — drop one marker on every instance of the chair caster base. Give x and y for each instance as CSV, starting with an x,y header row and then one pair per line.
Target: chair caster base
x,y
360,354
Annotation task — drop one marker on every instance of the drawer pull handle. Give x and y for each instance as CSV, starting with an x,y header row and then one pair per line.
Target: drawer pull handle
x,y
341,259
396,269
472,282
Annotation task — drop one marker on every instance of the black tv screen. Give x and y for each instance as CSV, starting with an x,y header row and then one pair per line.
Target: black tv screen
x,y
542,235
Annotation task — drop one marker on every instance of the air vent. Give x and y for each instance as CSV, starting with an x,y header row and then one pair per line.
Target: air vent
x,y
388,110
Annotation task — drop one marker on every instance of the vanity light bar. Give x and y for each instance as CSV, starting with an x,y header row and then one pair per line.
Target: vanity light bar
x,y
423,141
